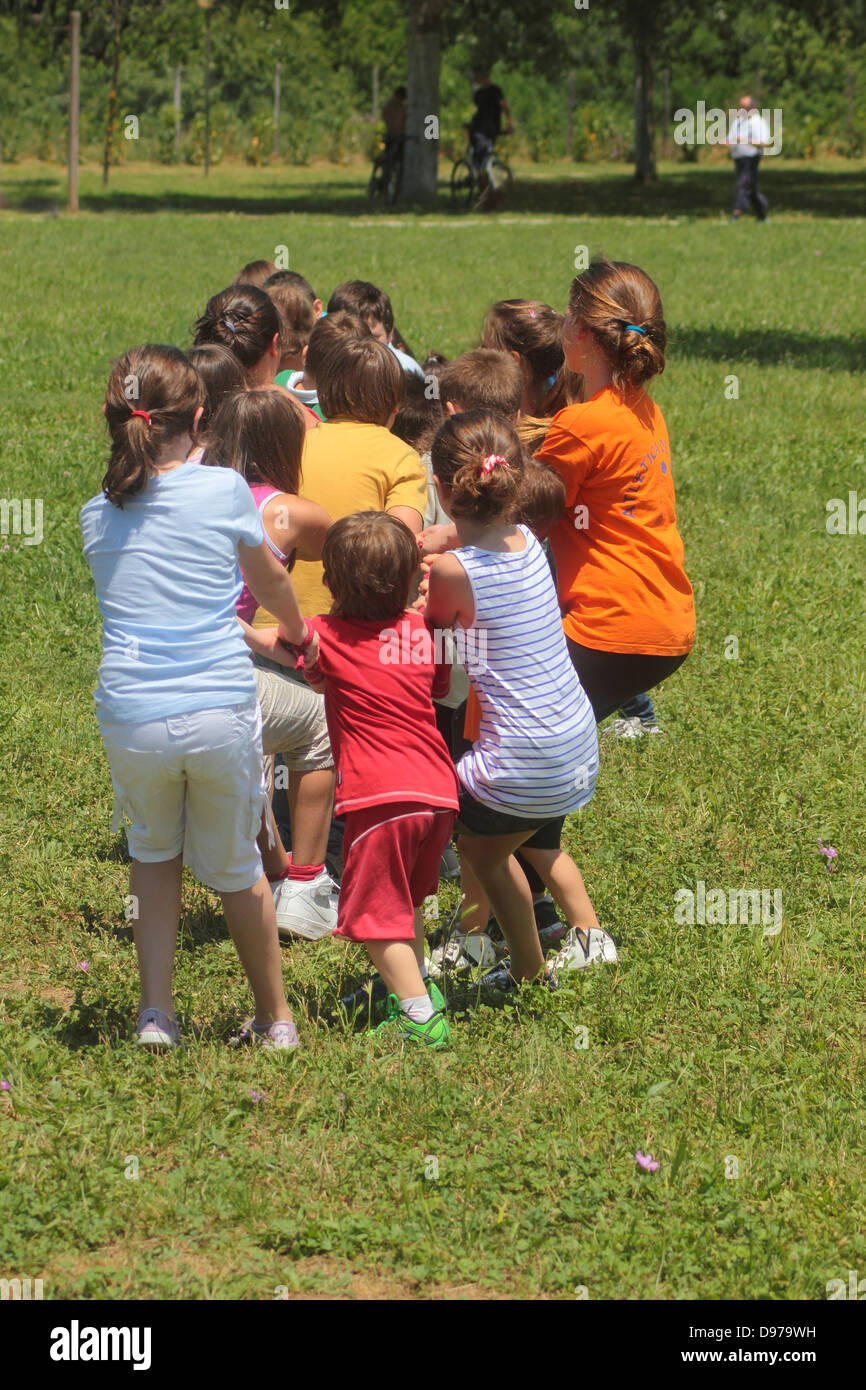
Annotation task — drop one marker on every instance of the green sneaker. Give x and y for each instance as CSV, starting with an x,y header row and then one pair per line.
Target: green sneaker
x,y
434,1033
437,998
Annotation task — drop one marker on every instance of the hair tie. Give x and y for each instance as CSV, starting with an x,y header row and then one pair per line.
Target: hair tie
x,y
634,328
230,325
143,413
492,461
532,313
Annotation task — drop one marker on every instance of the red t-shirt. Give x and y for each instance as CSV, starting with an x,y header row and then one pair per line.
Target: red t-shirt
x,y
380,680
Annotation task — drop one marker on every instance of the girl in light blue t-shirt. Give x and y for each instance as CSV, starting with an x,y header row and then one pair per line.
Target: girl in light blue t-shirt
x,y
176,696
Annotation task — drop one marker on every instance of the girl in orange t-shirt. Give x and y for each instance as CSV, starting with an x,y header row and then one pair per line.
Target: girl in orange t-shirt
x,y
628,608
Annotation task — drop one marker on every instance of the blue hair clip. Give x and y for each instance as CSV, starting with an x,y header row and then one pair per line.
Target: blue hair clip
x,y
633,327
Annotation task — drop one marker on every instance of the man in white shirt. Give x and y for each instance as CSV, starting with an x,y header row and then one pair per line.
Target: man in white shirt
x,y
749,136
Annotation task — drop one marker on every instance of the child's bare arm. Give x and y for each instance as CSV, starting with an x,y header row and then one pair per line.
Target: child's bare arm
x,y
449,594
271,586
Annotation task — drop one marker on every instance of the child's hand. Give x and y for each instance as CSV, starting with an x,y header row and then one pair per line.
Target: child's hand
x,y
266,641
423,586
435,540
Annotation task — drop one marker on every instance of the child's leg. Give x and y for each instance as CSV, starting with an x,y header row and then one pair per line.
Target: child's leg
x,y
311,800
275,861
253,925
475,906
492,859
562,876
397,963
156,887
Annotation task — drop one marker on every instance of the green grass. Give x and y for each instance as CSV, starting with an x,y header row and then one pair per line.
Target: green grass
x,y
706,1042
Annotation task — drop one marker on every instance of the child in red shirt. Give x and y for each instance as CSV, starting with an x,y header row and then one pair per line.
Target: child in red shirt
x,y
380,667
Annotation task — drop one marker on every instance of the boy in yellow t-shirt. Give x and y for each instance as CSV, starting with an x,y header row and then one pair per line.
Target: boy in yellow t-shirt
x,y
352,463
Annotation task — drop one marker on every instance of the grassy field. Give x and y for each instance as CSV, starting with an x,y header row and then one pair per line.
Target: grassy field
x,y
506,1168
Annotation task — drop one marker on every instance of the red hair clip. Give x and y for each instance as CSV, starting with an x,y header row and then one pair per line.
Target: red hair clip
x,y
492,461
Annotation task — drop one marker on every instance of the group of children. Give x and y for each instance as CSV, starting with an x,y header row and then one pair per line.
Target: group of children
x,y
309,544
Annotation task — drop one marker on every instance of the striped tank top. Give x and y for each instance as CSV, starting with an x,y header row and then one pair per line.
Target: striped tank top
x,y
537,751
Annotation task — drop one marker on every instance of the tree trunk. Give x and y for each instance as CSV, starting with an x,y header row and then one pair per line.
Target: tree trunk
x,y
112,96
644,116
569,128
422,102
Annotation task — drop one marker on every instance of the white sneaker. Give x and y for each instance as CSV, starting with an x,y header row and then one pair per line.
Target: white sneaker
x,y
306,909
462,952
574,955
625,728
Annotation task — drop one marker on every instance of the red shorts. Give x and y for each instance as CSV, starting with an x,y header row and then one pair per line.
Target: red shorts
x,y
392,856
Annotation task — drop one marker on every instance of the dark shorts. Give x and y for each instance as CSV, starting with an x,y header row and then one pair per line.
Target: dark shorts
x,y
476,819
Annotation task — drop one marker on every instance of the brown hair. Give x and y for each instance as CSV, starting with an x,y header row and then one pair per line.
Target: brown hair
x,y
297,319
533,330
462,453
261,435
331,331
221,375
365,300
292,278
255,273
370,560
486,379
243,319
160,382
607,298
420,415
362,380
540,500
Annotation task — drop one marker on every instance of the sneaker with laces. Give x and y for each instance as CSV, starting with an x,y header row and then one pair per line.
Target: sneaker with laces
x,y
625,728
273,1037
156,1030
500,978
577,954
307,909
434,1033
462,952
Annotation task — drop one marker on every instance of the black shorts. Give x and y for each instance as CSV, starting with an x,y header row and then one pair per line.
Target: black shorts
x,y
476,819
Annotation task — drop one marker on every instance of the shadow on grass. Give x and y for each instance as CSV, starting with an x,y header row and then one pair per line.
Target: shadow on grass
x,y
770,347
681,191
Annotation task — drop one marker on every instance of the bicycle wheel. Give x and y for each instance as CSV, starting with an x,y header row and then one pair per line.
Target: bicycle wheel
x,y
462,182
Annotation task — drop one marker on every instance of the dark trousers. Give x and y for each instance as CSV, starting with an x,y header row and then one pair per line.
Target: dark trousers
x,y
747,198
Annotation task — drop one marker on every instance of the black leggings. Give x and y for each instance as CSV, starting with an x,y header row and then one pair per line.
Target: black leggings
x,y
609,679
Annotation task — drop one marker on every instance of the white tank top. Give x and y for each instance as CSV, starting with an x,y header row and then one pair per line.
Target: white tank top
x,y
537,751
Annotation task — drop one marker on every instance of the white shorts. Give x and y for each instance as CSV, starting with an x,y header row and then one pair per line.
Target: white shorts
x,y
193,784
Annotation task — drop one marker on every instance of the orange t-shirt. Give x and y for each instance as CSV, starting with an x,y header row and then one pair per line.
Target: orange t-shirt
x,y
619,555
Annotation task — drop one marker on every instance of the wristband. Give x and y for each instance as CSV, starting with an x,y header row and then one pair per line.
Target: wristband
x,y
298,648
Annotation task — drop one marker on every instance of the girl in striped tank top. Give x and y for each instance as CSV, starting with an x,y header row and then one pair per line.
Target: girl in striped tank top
x,y
536,757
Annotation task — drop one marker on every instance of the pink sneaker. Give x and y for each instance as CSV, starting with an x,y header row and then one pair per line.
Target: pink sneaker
x,y
156,1030
275,1037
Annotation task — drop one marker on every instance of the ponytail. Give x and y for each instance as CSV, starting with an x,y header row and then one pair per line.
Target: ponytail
x,y
622,308
477,455
152,397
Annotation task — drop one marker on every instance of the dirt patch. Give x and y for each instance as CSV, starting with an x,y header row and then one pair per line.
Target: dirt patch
x,y
54,994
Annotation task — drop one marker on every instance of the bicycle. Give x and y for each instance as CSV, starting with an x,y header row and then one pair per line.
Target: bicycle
x,y
387,173
494,179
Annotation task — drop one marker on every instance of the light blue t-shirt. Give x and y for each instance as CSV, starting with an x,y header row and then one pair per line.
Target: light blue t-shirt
x,y
167,578
406,362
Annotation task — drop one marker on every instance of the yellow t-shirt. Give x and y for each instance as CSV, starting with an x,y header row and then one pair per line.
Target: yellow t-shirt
x,y
350,467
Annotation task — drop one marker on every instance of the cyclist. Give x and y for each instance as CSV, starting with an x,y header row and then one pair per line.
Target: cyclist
x,y
486,125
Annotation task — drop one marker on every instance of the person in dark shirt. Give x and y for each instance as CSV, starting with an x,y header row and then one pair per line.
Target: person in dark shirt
x,y
486,125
